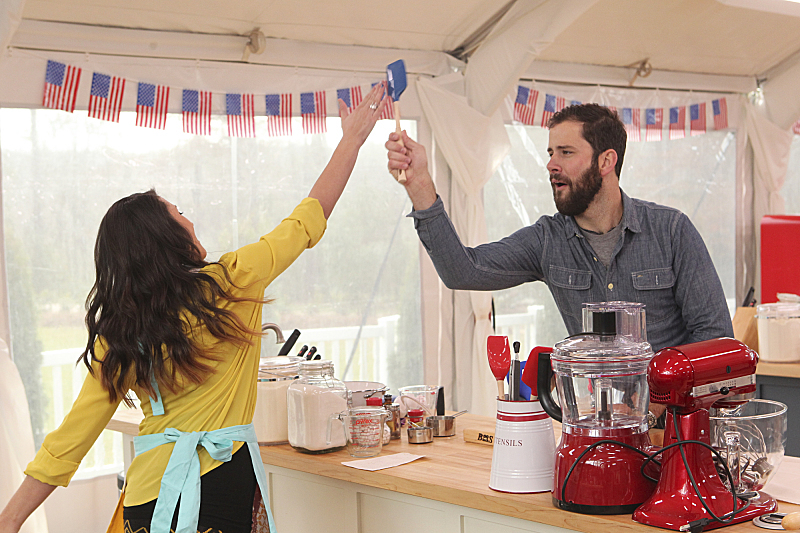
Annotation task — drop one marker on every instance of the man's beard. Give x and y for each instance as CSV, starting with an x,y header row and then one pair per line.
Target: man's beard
x,y
579,193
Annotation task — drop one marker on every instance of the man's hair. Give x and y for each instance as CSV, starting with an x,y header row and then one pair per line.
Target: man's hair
x,y
602,129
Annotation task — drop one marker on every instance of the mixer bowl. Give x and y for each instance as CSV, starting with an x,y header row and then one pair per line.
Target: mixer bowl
x,y
759,428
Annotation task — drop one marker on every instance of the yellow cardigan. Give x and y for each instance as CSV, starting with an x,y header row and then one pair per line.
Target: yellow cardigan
x,y
226,398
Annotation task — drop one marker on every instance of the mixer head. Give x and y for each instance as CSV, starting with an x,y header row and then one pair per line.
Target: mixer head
x,y
699,375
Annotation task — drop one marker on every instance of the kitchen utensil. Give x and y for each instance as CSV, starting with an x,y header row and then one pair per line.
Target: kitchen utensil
x,y
531,370
601,379
317,357
690,380
443,425
524,448
751,437
420,434
514,375
310,353
359,391
363,430
440,401
289,344
499,355
396,84
418,396
302,352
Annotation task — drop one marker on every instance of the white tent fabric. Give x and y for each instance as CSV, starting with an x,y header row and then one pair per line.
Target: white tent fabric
x,y
16,438
10,17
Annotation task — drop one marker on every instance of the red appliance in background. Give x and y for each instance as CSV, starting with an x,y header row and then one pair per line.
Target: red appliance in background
x,y
689,379
780,256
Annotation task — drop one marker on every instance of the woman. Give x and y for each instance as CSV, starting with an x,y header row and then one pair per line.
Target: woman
x,y
183,335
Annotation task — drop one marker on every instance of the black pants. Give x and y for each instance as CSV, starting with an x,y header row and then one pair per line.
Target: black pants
x,y
226,500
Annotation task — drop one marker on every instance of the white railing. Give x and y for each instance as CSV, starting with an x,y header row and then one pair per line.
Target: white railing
x,y
65,379
376,345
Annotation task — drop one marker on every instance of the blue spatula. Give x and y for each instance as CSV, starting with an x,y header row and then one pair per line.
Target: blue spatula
x,y
396,82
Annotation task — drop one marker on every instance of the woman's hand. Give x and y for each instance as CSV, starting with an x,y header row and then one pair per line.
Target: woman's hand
x,y
358,123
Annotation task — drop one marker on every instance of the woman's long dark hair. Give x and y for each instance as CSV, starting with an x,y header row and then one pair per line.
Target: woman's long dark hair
x,y
149,295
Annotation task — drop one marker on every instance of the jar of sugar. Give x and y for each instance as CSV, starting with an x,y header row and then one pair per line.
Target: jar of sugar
x,y
311,399
270,419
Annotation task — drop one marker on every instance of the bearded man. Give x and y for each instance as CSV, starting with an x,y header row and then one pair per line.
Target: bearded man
x,y
601,245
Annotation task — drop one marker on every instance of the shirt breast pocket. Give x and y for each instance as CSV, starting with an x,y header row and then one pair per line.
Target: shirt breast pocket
x,y
654,289
570,288
567,278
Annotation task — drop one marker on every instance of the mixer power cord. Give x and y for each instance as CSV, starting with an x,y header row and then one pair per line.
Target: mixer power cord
x,y
695,526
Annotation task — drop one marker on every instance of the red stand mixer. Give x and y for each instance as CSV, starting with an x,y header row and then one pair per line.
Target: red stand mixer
x,y
689,380
602,388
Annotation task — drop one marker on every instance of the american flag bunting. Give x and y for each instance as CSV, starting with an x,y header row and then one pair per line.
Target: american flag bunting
x,y
196,110
677,122
351,96
631,120
279,114
152,102
552,105
105,97
697,119
796,128
388,111
720,108
313,111
654,122
60,86
525,105
240,109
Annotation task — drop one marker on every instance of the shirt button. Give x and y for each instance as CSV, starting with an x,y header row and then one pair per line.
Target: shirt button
x,y
611,286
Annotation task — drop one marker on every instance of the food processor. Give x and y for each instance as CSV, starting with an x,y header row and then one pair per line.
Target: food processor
x,y
601,379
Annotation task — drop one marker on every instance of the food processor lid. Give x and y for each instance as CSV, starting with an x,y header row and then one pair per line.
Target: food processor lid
x,y
593,347
778,310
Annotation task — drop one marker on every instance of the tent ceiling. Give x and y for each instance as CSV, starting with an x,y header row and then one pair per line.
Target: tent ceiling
x,y
695,36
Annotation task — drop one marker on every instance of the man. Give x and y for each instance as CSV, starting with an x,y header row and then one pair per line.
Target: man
x,y
600,246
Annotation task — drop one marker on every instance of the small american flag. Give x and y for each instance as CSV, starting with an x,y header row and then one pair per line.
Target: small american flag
x,y
152,102
240,109
552,105
60,86
279,114
697,119
654,121
630,117
677,122
105,97
720,113
196,109
351,96
388,111
525,105
312,109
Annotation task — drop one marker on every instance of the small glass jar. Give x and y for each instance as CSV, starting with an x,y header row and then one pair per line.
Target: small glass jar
x,y
311,400
270,419
415,418
376,401
393,420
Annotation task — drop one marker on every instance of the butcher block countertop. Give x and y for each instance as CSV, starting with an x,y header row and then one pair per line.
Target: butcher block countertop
x,y
786,370
452,471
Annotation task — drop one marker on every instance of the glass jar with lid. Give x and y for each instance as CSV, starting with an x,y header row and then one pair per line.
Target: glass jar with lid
x,y
311,400
275,374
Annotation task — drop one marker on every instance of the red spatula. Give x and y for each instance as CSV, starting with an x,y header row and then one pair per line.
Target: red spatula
x,y
531,372
499,353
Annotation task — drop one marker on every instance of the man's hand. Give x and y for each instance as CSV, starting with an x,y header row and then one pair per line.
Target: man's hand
x,y
411,157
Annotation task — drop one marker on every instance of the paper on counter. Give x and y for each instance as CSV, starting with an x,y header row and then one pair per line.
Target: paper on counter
x,y
383,461
783,485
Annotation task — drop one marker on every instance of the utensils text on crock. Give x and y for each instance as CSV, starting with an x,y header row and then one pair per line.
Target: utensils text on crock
x,y
289,344
396,84
499,354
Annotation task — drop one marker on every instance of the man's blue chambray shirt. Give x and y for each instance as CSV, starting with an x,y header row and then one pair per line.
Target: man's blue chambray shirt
x,y
660,261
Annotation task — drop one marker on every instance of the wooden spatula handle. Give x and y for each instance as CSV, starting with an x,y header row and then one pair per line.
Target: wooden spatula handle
x,y
399,175
501,393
